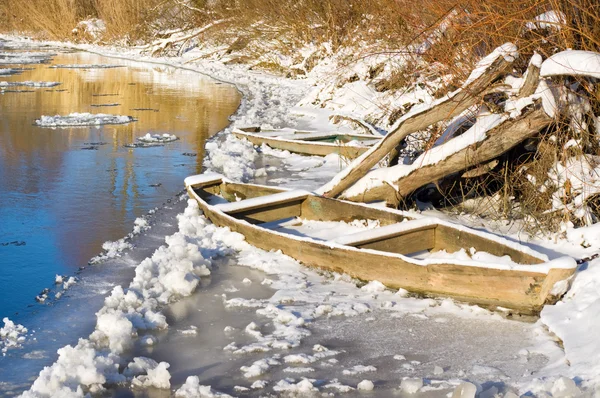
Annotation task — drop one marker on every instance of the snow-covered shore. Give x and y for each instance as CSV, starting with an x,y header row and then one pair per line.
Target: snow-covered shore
x,y
300,296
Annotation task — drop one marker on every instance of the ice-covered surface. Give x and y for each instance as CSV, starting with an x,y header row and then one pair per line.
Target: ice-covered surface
x,y
572,62
88,66
76,119
548,20
4,84
10,71
151,140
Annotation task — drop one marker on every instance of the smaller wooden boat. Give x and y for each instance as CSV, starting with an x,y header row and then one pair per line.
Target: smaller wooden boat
x,y
423,255
309,142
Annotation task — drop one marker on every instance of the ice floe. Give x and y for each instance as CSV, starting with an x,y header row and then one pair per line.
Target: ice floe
x,y
82,119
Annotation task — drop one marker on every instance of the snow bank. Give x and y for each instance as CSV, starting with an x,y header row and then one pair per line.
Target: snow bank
x,y
576,318
572,62
232,157
82,119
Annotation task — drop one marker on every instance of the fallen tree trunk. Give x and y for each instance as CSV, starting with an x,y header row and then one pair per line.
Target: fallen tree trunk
x,y
488,71
498,140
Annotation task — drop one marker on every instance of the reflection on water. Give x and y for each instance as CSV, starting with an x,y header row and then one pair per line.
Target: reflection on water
x,y
63,192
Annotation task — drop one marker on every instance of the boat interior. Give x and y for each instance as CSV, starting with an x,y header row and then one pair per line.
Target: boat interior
x,y
287,211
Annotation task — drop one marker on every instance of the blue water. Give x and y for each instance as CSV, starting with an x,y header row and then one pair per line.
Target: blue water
x,y
63,192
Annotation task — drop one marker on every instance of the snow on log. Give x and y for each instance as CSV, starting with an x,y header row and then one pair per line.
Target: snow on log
x,y
573,63
495,136
489,69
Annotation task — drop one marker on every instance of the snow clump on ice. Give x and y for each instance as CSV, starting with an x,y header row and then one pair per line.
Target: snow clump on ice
x,y
5,84
11,335
173,271
76,119
193,389
232,157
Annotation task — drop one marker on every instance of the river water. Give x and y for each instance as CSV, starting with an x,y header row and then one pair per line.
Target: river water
x,y
63,192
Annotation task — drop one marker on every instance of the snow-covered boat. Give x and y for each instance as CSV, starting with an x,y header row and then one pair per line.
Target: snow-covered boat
x,y
424,255
309,142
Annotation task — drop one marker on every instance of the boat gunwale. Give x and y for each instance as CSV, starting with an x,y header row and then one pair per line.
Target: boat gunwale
x,y
237,132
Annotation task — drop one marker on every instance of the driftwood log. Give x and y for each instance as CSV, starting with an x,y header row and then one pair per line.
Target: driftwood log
x,y
450,106
498,140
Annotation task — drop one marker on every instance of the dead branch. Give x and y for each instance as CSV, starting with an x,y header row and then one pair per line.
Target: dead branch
x,y
498,140
532,78
445,108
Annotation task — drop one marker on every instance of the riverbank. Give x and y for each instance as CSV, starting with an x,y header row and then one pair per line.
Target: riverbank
x,y
273,101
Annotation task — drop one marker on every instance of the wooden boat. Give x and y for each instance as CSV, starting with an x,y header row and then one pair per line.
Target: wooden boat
x,y
389,253
309,142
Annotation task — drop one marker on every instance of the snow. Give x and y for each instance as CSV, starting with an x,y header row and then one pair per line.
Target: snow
x,y
572,62
152,140
157,376
82,119
252,203
548,20
158,138
4,84
365,385
9,71
102,367
576,318
508,51
193,389
411,385
233,158
358,369
93,27
465,390
11,335
173,271
84,66
377,177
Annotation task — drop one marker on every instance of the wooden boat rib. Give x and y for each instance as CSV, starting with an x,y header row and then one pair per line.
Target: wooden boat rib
x,y
386,253
309,143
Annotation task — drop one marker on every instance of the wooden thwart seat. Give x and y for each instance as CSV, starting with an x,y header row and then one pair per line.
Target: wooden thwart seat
x,y
389,231
263,201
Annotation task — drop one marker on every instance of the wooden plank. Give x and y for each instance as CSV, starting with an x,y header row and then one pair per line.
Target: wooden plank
x,y
325,209
263,202
452,239
416,240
